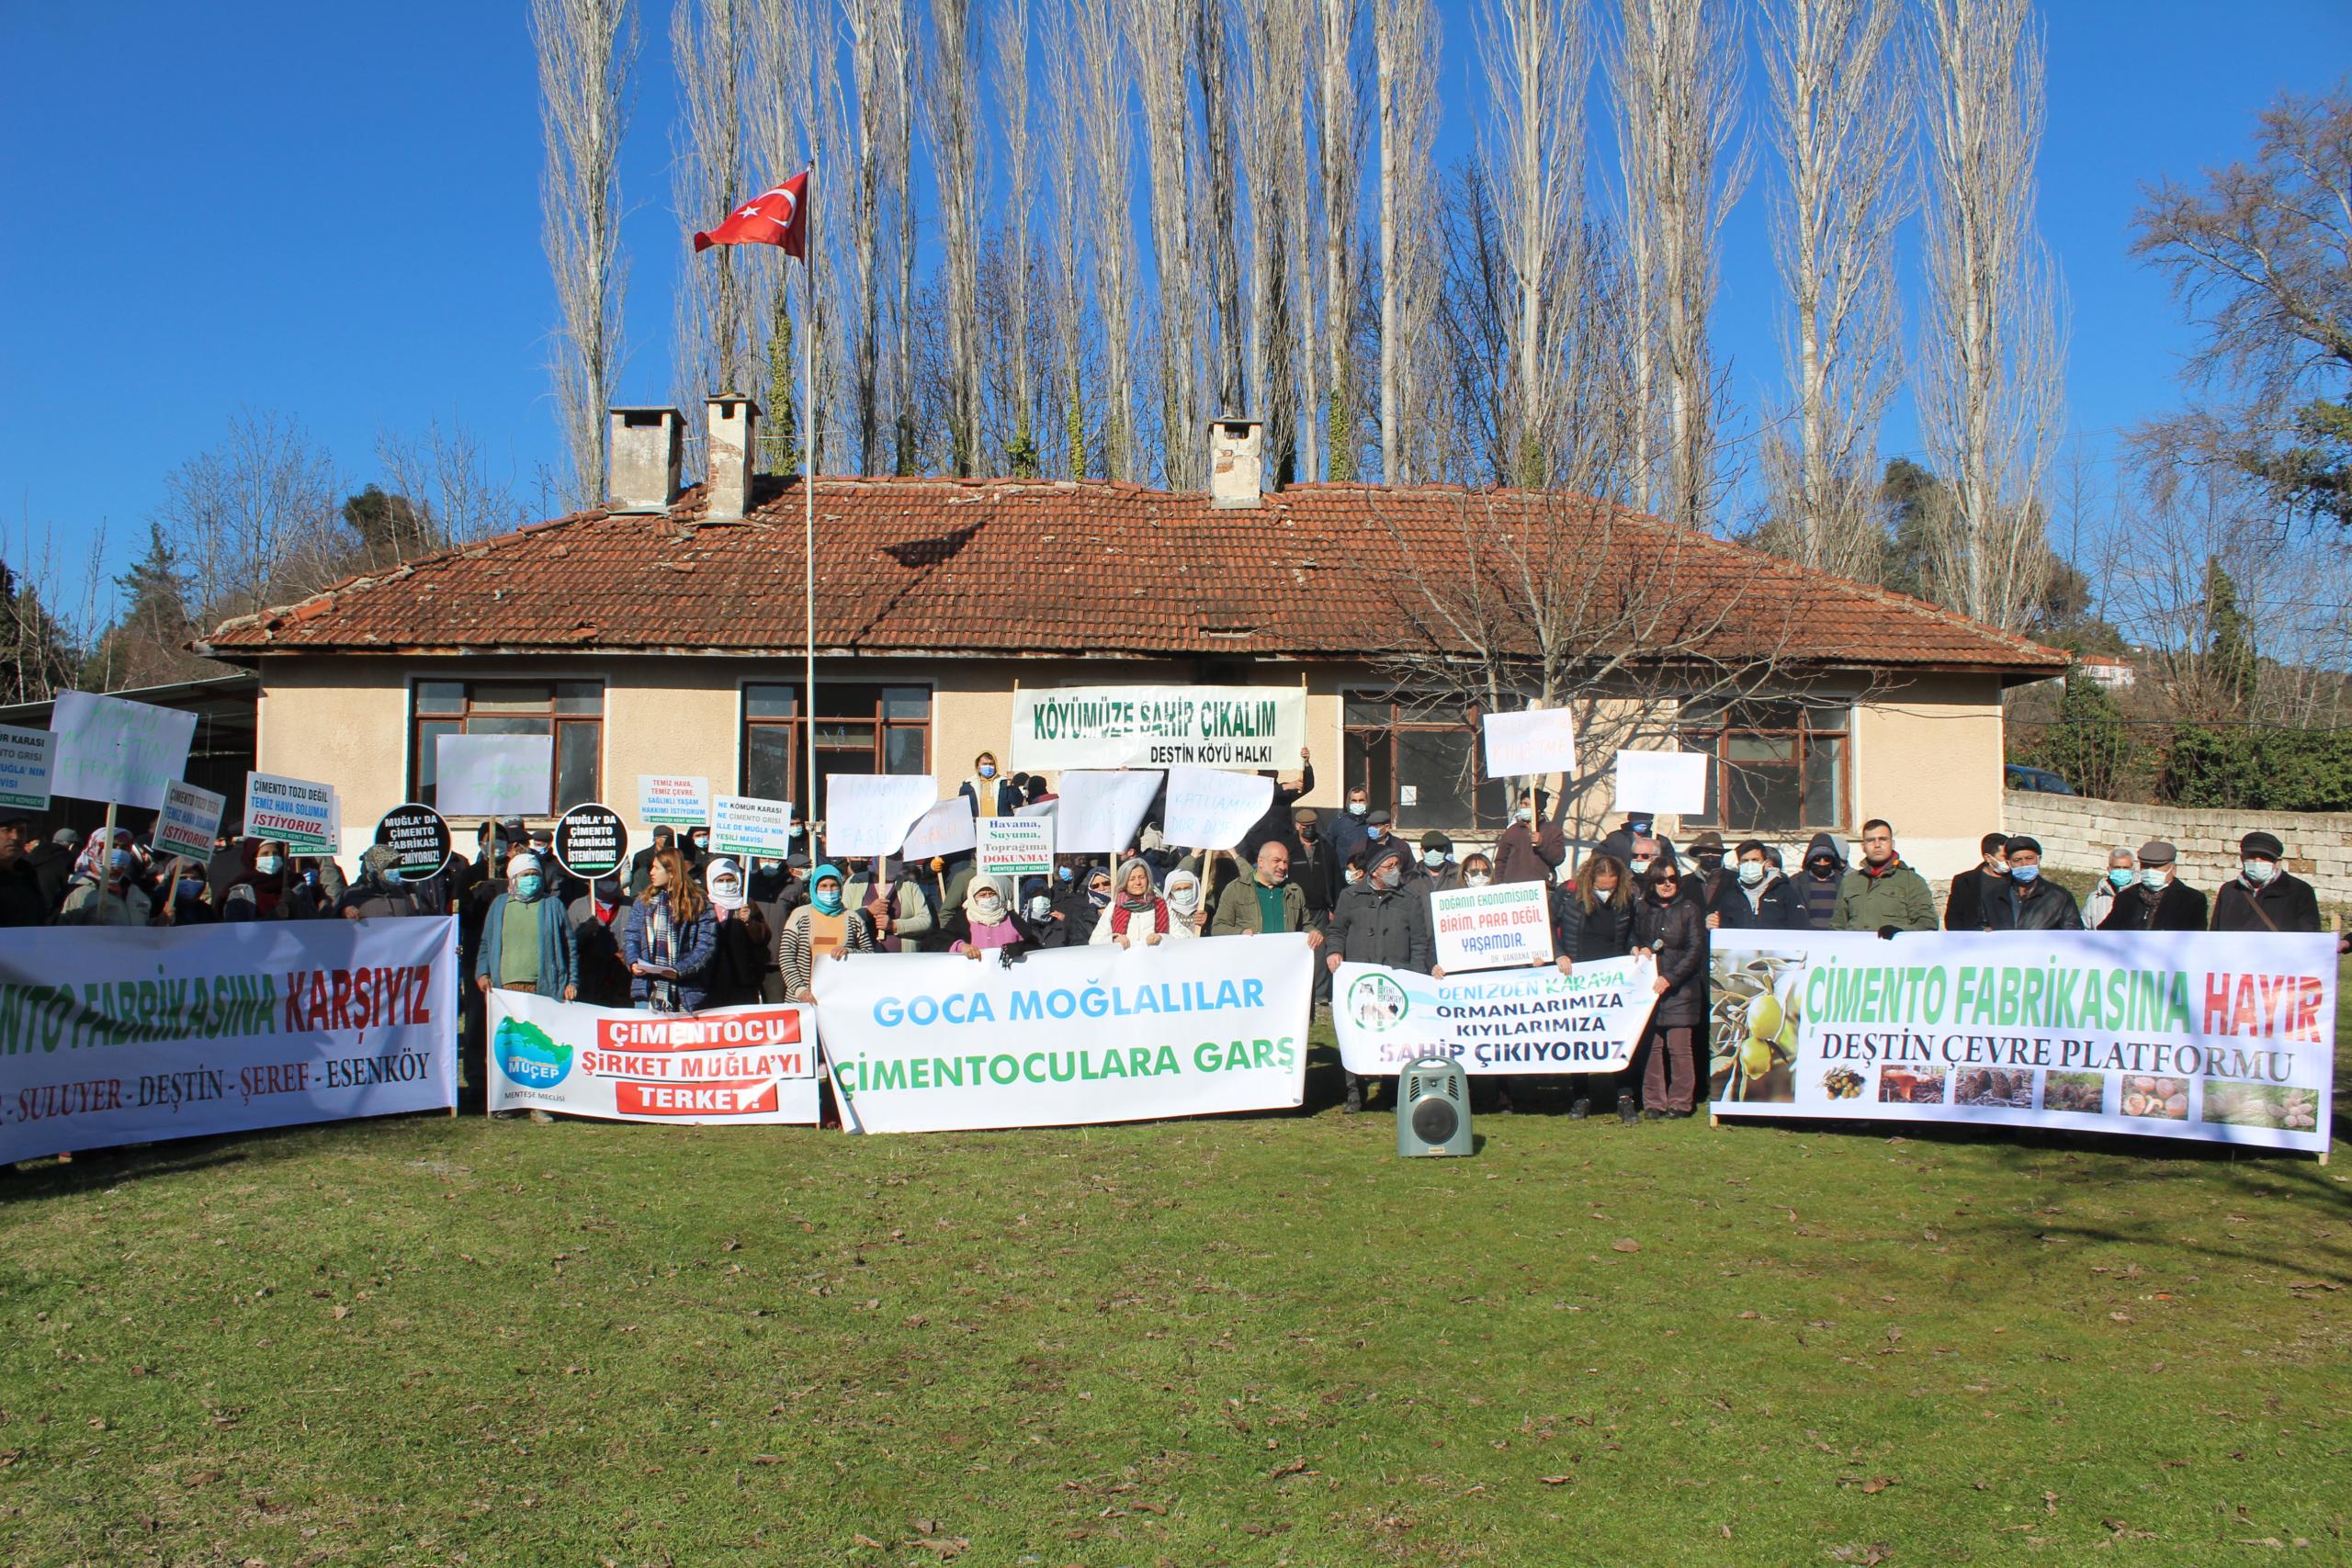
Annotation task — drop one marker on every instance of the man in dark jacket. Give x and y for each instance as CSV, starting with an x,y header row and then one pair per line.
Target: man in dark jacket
x,y
1276,823
1381,920
53,865
1316,869
1964,907
1639,824
1531,848
1813,892
2158,901
1347,830
596,918
2028,901
21,903
1714,886
2265,895
1760,897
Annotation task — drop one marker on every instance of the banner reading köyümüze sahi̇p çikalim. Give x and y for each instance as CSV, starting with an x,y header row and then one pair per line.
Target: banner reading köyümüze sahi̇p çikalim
x,y
1158,727
133,1035
919,1042
2223,1038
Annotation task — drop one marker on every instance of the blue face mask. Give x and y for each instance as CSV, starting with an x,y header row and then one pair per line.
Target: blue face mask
x,y
1375,832
2120,875
191,891
527,886
2026,873
1064,873
828,899
2153,878
987,769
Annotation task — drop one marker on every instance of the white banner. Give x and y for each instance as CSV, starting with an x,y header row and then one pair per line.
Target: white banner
x,y
189,822
731,1066
1665,783
1535,741
494,775
307,817
665,801
1016,846
1504,925
945,830
112,1035
1158,727
868,814
1508,1021
745,825
1102,813
921,1043
27,759
1211,809
108,749
2219,1037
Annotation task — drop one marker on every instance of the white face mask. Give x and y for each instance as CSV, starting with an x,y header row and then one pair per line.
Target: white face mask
x,y
1355,874
269,865
1358,807
987,908
1638,864
1432,858
2259,871
1523,815
1751,871
1478,879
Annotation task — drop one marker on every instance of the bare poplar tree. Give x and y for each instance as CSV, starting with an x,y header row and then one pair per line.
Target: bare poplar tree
x,y
710,46
587,50
1012,76
903,54
953,106
795,113
257,519
1405,49
1212,37
1062,137
1339,152
1987,374
1838,114
872,26
1161,34
1104,71
1275,48
1677,77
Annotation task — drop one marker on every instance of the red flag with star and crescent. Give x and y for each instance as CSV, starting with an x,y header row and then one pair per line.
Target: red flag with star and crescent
x,y
777,217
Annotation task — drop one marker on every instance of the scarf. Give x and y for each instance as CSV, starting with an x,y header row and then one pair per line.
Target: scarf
x,y
661,948
1184,893
1128,907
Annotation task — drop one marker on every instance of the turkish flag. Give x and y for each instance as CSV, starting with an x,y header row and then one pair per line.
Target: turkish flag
x,y
779,216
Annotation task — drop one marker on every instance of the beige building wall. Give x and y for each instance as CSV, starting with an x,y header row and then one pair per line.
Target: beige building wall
x,y
1927,757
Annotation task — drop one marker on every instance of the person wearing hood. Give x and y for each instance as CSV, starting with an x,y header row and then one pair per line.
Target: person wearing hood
x,y
1183,891
1139,916
2029,901
828,925
380,895
893,904
1079,908
1964,906
190,899
1534,846
1380,920
1885,895
739,959
672,937
108,893
527,942
1813,892
2265,895
986,924
990,793
1671,927
597,926
1638,825
2157,900
53,865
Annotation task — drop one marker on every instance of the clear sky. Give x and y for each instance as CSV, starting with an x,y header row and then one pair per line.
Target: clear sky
x,y
331,211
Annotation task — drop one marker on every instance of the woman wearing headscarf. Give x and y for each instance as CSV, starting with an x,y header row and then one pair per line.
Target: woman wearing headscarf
x,y
1183,895
671,939
824,925
987,923
740,958
1138,916
527,939
1592,918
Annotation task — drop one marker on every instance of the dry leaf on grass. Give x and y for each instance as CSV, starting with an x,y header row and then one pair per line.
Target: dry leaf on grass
x,y
1624,1243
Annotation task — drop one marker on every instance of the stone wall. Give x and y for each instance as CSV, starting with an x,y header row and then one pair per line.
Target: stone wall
x,y
2077,832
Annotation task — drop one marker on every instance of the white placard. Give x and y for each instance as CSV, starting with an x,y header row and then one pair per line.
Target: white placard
x,y
1036,808
189,822
110,749
1016,846
1505,925
745,825
27,759
1211,809
304,815
1101,812
1157,726
729,1066
1536,741
1666,783
669,801
1517,1020
945,830
494,775
868,814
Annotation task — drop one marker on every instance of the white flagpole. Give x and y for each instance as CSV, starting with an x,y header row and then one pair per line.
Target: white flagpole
x,y
809,500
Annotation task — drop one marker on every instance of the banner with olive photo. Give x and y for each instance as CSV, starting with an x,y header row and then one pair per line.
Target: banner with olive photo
x,y
2219,1038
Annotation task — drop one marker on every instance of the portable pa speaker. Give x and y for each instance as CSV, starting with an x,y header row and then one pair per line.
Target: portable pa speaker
x,y
1433,1108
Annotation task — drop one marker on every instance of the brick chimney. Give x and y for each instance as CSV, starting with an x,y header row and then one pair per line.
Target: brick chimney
x,y
734,426
645,447
1236,462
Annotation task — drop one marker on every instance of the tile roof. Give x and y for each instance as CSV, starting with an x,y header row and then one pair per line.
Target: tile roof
x,y
979,567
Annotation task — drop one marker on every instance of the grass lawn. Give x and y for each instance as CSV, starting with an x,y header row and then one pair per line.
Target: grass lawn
x,y
1241,1341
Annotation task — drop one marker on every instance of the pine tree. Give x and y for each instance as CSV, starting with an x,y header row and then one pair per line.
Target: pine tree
x,y
780,448
2229,641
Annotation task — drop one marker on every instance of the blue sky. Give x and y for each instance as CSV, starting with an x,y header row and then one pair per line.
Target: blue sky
x,y
332,212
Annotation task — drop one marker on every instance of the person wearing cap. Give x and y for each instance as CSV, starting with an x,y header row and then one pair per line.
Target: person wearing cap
x,y
1437,865
1884,895
1532,847
21,903
2026,900
1619,844
1964,906
1380,920
2156,899
1714,886
527,942
2265,895
1316,868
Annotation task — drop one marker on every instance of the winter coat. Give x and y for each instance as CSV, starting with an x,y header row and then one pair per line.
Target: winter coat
x,y
2285,903
559,948
739,959
1530,851
1677,933
911,922
694,945
1873,900
2051,908
1275,826
1142,923
1008,799
86,904
604,975
1238,913
1347,834
22,903
1373,925
1607,932
2180,907
1316,872
792,959
1620,843
1965,908
957,927
1074,929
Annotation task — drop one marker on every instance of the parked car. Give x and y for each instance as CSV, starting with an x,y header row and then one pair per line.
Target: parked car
x,y
2039,779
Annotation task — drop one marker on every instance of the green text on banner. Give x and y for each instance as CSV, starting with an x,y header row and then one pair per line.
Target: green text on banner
x,y
734,1067
26,757
1015,846
1504,925
306,816
112,750
1507,1021
189,822
1158,727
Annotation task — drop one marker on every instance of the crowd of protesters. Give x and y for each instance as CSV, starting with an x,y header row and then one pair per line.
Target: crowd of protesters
x,y
679,930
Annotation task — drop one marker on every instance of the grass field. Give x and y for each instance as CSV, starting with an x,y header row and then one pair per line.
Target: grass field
x,y
1243,1341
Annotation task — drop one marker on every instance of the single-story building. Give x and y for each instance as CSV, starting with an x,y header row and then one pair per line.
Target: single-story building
x,y
663,633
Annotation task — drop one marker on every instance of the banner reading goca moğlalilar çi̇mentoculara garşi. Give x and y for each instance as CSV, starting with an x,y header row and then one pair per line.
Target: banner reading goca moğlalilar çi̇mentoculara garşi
x,y
2220,1037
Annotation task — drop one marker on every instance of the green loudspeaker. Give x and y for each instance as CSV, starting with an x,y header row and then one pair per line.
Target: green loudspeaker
x,y
1433,1108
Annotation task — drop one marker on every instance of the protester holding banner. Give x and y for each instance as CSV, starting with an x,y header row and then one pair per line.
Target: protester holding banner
x,y
1671,927
1138,916
826,926
671,938
1377,921
2265,895
2026,901
2156,899
1885,895
1263,900
527,939
378,894
987,925
108,894
1592,922
1278,822
893,904
1183,891
596,918
1531,848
